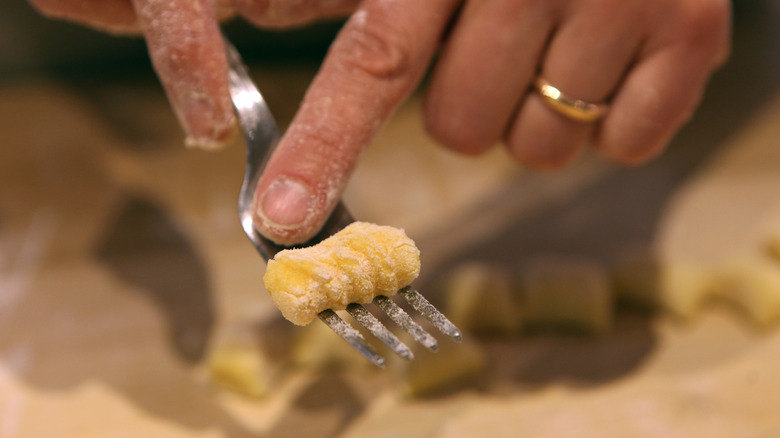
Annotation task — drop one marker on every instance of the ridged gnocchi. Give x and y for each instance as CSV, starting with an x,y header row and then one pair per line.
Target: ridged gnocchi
x,y
353,266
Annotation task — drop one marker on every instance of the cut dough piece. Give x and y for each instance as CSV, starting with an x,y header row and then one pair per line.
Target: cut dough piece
x,y
567,294
318,347
752,286
241,369
678,287
353,266
452,367
483,299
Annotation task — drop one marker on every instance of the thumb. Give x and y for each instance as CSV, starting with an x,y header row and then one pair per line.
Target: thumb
x,y
374,63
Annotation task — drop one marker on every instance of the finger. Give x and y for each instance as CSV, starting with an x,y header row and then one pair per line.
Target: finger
x,y
374,63
115,16
286,13
586,59
482,73
661,92
187,51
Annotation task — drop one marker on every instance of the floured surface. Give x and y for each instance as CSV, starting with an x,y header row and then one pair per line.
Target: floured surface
x,y
720,402
122,265
732,207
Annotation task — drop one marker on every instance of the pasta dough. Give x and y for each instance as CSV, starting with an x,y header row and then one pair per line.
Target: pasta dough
x,y
316,347
677,287
571,294
241,369
483,299
452,367
753,286
241,363
558,293
353,266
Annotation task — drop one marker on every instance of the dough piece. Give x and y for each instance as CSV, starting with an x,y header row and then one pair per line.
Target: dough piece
x,y
452,367
678,288
752,286
568,294
353,266
483,299
240,369
317,347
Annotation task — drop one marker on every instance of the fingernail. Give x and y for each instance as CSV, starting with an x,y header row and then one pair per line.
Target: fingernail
x,y
286,203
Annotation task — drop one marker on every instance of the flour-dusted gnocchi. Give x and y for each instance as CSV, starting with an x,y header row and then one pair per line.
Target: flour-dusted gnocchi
x,y
752,286
241,363
483,299
452,367
315,347
241,369
353,266
567,293
679,288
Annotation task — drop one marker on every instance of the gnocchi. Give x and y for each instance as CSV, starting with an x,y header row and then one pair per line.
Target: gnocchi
x,y
752,286
679,288
353,266
569,294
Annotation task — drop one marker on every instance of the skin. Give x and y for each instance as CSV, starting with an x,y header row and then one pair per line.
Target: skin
x,y
649,59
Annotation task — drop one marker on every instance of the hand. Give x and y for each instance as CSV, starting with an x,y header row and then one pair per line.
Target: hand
x,y
649,59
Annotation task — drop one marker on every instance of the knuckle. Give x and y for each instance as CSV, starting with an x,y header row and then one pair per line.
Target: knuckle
x,y
543,158
706,28
320,150
547,163
543,141
634,156
180,42
630,150
460,137
177,57
376,48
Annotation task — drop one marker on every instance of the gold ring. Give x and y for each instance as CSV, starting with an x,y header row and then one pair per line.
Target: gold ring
x,y
568,106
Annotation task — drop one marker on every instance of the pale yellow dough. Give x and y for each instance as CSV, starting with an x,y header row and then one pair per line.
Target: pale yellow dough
x,y
316,347
243,370
452,367
569,294
484,299
353,266
752,286
678,287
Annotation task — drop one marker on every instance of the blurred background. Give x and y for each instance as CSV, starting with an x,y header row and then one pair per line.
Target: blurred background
x,y
131,301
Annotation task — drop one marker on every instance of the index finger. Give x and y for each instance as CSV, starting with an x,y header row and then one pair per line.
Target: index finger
x,y
188,53
374,63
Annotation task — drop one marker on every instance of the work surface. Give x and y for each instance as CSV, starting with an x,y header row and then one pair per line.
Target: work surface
x,y
122,264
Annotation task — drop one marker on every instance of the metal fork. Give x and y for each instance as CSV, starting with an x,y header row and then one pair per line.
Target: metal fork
x,y
262,135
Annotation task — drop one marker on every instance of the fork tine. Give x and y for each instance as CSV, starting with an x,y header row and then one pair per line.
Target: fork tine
x,y
429,311
403,319
349,334
376,328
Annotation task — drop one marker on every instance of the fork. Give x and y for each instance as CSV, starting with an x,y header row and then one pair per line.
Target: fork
x,y
262,135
